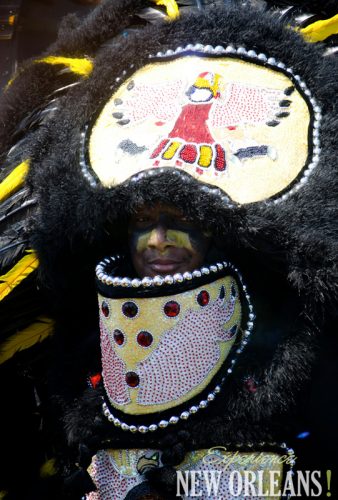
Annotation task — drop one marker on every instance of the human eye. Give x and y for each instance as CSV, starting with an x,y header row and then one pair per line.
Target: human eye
x,y
143,220
184,222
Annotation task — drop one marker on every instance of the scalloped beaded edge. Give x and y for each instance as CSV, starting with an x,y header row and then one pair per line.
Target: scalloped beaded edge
x,y
157,281
212,395
229,50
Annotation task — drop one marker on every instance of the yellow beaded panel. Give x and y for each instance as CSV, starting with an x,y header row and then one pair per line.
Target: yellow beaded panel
x,y
227,122
116,472
173,346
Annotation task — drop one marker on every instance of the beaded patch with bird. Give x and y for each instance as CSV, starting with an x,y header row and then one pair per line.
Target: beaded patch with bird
x,y
116,472
233,119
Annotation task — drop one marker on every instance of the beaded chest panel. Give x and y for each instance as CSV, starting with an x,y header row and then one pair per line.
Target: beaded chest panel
x,y
151,347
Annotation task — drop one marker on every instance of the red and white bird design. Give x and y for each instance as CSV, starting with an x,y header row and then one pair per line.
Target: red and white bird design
x,y
198,109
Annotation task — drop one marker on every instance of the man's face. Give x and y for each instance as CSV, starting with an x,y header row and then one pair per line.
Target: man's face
x,y
163,241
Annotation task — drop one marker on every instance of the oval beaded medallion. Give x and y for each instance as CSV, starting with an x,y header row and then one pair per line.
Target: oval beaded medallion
x,y
203,298
238,123
144,339
105,309
118,337
172,309
132,379
167,332
130,309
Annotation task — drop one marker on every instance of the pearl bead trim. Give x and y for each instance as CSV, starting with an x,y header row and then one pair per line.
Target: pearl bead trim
x,y
107,279
83,164
184,415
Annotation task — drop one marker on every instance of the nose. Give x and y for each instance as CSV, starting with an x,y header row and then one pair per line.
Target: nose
x,y
158,239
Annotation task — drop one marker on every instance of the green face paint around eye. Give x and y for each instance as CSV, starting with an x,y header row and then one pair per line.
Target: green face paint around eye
x,y
180,238
141,240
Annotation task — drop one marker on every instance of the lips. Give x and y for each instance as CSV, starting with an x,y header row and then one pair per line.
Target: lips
x,y
171,261
163,265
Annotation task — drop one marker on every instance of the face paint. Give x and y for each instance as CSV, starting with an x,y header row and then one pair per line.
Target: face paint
x,y
163,241
179,238
169,237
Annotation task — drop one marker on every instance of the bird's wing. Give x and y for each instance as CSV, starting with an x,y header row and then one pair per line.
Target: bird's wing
x,y
162,102
245,105
178,356
114,370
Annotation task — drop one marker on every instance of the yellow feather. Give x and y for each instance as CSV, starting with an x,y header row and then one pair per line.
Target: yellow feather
x,y
48,468
320,30
14,180
171,8
8,84
82,67
24,339
18,273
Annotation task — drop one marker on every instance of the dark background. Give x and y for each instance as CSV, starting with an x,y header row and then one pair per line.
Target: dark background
x,y
35,28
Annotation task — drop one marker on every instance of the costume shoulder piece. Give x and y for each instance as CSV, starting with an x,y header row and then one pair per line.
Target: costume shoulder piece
x,y
227,112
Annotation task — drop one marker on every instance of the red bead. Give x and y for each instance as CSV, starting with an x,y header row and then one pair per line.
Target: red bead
x,y
95,380
132,379
220,158
130,309
105,309
145,339
172,309
250,384
188,153
118,337
203,298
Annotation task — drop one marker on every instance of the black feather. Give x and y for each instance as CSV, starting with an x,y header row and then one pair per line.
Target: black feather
x,y
34,120
15,213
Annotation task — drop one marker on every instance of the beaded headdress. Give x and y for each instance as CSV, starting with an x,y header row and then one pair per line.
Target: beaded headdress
x,y
241,122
